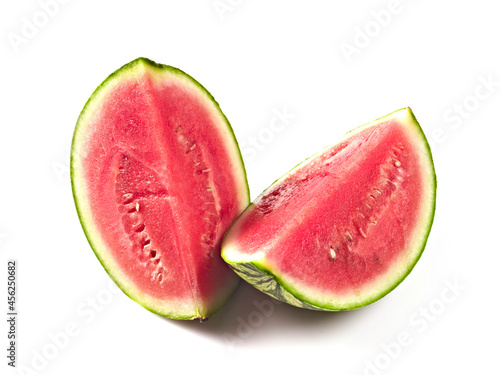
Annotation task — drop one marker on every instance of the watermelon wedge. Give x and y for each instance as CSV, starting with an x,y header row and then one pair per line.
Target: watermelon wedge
x,y
346,226
157,178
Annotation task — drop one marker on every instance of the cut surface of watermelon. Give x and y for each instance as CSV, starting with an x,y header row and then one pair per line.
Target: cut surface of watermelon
x,y
345,227
157,178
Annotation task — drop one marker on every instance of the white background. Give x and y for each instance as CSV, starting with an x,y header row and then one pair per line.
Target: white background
x,y
256,58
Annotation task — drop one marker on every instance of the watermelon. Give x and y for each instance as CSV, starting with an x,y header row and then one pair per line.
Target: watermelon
x,y
346,226
157,179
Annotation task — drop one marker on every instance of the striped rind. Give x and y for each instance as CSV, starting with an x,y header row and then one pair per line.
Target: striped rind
x,y
174,309
269,284
255,270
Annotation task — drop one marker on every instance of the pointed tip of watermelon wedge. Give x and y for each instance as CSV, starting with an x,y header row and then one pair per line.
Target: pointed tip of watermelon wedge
x,y
374,214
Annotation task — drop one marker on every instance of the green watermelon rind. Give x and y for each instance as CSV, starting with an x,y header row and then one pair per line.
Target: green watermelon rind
x,y
87,230
254,271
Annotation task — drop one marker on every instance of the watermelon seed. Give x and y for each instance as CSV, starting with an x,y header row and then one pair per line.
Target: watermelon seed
x,y
374,222
157,274
144,239
206,170
210,188
332,253
127,198
372,197
348,236
378,191
137,206
397,163
178,129
152,253
391,182
140,227
362,233
367,205
329,160
361,215
192,147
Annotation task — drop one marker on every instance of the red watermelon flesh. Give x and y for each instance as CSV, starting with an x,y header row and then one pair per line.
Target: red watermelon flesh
x,y
346,226
157,179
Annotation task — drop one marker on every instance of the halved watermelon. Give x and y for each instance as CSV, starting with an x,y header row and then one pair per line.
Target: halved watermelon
x,y
345,227
157,178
